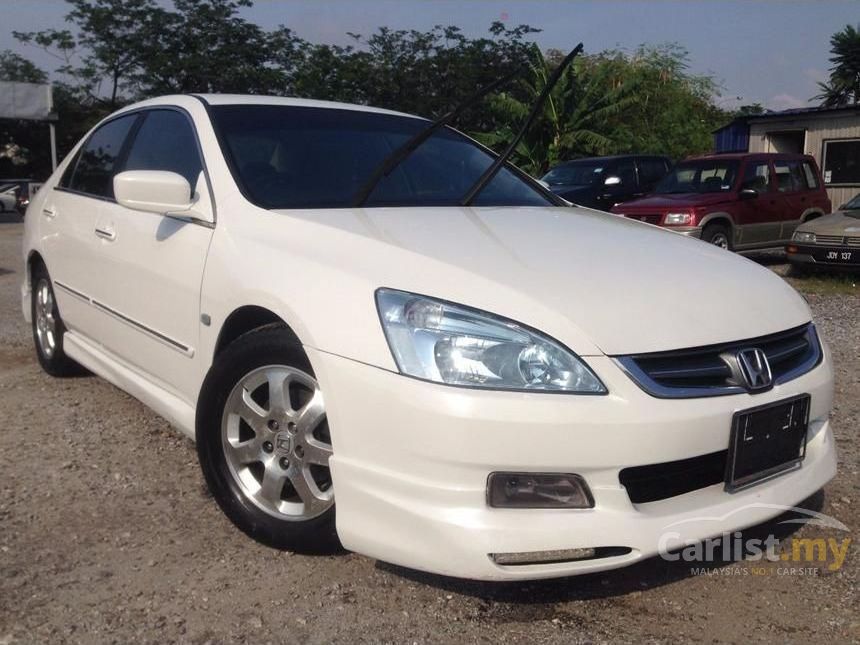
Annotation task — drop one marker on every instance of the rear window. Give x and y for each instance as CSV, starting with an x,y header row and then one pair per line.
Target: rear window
x,y
96,163
789,176
810,175
303,157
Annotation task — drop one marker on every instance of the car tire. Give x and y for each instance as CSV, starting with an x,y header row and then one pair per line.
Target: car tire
x,y
719,235
263,443
48,327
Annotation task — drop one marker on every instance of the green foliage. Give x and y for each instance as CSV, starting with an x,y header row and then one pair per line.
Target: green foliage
x,y
843,87
610,103
16,68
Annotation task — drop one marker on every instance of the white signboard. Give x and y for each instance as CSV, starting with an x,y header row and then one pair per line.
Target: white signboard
x,y
25,101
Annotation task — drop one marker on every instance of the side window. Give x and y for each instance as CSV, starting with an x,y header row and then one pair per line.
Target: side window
x,y
811,176
790,176
97,162
166,141
650,172
756,176
627,172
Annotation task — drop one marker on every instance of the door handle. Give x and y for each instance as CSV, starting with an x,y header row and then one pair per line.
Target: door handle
x,y
50,213
106,234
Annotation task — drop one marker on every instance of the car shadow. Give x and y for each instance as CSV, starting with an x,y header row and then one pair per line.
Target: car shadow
x,y
642,576
767,258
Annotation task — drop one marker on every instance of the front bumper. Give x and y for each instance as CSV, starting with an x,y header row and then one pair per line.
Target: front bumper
x,y
411,461
689,231
813,256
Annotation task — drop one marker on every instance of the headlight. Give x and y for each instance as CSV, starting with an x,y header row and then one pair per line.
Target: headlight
x,y
446,343
677,218
803,236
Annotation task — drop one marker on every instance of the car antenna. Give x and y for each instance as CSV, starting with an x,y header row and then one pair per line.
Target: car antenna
x,y
387,165
490,172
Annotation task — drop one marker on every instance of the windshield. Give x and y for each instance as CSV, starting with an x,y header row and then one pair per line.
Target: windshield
x,y
306,157
853,204
584,173
700,176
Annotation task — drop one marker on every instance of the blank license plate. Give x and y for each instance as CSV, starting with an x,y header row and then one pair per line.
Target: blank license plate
x,y
766,441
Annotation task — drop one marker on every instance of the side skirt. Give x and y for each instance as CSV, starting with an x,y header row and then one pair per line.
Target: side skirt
x,y
178,412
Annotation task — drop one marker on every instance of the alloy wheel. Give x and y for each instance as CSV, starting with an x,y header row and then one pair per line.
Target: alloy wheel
x,y
276,442
721,240
46,323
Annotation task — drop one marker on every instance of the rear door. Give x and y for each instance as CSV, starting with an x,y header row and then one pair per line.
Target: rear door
x,y
154,263
796,194
759,219
69,218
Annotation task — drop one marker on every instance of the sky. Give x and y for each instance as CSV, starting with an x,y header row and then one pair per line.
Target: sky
x,y
771,52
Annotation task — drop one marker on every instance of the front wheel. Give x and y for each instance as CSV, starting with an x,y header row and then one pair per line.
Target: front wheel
x,y
718,235
264,444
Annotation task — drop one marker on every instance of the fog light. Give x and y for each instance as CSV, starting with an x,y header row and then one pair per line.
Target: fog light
x,y
538,490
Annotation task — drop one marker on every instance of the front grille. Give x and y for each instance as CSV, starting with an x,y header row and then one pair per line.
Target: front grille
x,y
828,240
852,241
661,481
649,218
714,370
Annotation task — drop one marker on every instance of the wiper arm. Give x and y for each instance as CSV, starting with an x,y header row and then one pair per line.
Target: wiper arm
x,y
490,172
387,165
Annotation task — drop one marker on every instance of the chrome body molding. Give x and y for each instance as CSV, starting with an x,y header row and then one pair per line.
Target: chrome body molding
x,y
152,333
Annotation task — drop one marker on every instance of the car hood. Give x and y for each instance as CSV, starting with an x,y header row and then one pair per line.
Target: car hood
x,y
838,223
669,201
594,281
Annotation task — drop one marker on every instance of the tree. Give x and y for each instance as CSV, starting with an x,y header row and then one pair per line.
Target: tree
x,y
114,40
610,103
843,87
578,117
205,46
17,69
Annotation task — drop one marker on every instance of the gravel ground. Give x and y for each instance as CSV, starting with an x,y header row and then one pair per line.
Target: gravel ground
x,y
108,535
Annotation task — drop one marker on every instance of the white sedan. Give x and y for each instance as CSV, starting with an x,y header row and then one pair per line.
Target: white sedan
x,y
482,382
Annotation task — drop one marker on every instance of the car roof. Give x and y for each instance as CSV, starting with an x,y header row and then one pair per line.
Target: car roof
x,y
256,99
609,159
751,155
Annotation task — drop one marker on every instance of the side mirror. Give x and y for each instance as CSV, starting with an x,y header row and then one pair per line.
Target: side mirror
x,y
748,193
612,180
154,191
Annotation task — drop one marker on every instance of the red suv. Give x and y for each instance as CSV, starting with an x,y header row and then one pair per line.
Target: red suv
x,y
736,201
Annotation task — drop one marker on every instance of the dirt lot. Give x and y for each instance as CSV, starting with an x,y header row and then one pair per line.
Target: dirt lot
x,y
108,535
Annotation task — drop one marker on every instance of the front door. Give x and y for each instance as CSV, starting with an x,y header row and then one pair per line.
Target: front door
x,y
154,263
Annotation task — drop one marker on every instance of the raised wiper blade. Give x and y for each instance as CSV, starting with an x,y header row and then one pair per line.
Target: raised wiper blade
x,y
488,175
387,165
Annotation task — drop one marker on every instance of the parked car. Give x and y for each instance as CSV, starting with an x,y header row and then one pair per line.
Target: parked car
x,y
483,389
832,240
8,197
603,182
736,201
15,194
